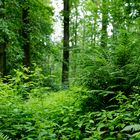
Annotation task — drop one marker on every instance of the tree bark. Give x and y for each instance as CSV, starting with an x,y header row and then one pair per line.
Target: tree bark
x,y
2,60
26,34
65,64
74,42
2,44
104,24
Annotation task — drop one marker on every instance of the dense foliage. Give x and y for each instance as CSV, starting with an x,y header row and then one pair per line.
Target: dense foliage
x,y
39,29
49,115
99,65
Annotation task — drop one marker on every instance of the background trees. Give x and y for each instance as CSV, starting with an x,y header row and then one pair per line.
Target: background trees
x,y
96,33
26,26
92,24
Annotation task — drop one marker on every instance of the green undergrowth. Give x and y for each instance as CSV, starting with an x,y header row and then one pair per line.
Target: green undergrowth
x,y
52,100
62,115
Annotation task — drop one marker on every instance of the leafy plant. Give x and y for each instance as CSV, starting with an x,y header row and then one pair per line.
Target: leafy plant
x,y
4,137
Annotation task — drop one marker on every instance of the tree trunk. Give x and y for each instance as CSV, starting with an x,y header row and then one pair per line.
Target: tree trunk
x,y
74,42
2,60
25,34
2,44
104,24
65,64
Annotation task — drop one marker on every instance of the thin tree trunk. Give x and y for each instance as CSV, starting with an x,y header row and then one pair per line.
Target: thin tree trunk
x,y
75,40
95,31
65,64
83,36
104,24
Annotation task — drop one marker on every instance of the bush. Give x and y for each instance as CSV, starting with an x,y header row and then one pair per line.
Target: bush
x,y
106,71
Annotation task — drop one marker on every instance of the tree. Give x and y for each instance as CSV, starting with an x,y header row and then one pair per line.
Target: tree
x,y
65,64
25,33
28,27
74,23
104,24
2,41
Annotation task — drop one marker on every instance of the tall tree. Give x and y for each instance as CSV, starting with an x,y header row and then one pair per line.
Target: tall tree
x,y
74,23
25,33
65,64
2,41
104,24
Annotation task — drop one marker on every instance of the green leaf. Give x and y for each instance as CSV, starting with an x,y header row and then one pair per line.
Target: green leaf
x,y
135,127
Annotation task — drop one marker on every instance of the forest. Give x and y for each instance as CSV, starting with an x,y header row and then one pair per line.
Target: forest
x,y
70,73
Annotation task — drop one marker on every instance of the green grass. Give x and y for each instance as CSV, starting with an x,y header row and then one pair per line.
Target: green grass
x,y
53,100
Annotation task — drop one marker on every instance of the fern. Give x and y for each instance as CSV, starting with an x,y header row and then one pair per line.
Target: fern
x,y
4,137
137,135
135,127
